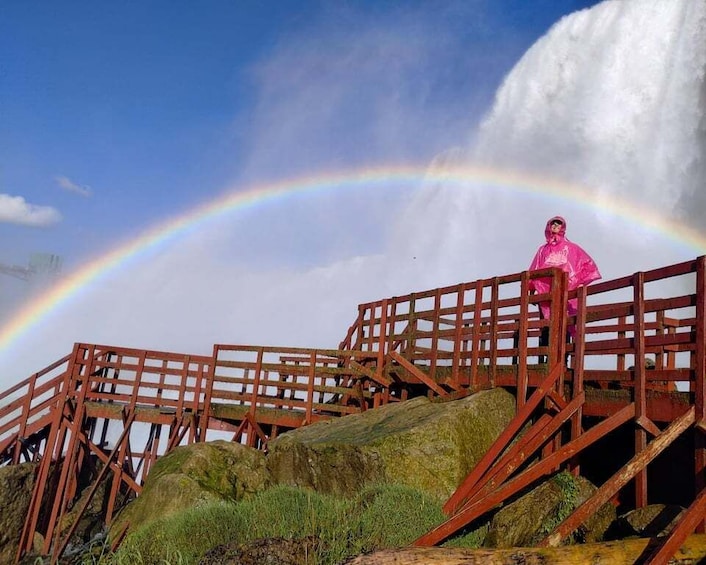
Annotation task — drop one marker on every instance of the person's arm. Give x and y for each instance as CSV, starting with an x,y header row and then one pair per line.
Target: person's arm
x,y
538,286
586,268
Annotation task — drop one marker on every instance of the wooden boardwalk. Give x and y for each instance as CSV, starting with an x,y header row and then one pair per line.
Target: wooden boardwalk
x,y
637,362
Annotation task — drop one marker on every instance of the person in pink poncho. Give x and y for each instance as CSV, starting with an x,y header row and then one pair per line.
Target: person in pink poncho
x,y
559,252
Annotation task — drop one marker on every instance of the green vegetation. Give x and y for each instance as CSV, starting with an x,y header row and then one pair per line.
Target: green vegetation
x,y
570,495
384,516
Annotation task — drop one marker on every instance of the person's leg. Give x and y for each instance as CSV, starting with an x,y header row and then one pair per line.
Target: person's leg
x,y
544,333
571,310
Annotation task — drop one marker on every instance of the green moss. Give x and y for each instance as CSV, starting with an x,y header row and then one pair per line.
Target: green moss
x,y
368,428
196,475
428,447
471,537
170,463
570,497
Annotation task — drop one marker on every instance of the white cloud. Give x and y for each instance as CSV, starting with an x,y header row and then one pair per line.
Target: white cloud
x,y
67,184
16,210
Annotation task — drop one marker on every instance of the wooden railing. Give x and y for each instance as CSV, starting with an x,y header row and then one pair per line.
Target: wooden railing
x,y
25,410
644,328
464,334
287,387
102,401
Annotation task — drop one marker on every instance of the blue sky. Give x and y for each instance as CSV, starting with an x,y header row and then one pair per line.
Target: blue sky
x,y
116,116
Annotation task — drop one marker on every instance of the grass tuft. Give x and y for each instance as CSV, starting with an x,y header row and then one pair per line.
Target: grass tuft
x,y
384,516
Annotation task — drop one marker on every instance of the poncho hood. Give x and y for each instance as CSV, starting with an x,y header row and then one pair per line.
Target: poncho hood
x,y
551,237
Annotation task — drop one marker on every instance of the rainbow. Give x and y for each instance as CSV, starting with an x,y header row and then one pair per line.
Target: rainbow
x,y
466,177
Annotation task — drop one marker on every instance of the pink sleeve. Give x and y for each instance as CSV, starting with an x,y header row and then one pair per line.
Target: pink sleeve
x,y
585,268
537,260
540,286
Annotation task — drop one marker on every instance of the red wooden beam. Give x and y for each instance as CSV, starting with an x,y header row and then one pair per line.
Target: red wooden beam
x,y
61,547
512,460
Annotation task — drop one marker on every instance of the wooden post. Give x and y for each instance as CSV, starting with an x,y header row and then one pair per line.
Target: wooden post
x,y
640,383
699,386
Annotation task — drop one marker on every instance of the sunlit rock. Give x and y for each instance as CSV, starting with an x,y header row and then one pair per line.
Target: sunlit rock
x,y
193,475
423,444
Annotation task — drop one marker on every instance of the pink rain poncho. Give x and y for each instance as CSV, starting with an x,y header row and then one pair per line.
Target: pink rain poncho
x,y
566,255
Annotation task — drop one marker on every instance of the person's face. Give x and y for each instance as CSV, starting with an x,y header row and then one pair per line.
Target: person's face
x,y
556,226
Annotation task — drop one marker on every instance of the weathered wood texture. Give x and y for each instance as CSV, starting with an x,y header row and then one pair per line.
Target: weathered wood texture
x,y
612,553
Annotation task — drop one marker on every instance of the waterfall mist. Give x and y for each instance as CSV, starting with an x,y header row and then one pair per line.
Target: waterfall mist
x,y
613,99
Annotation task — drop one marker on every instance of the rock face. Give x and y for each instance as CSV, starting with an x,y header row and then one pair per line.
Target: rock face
x,y
651,521
418,443
191,475
530,518
16,482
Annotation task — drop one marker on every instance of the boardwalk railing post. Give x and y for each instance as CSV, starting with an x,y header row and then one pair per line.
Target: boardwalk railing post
x,y
699,365
640,389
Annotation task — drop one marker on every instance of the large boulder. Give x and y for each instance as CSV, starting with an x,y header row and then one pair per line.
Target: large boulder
x,y
530,518
193,475
16,484
425,444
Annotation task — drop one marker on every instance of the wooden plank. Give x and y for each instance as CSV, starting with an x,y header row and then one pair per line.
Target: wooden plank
x,y
423,378
640,433
688,522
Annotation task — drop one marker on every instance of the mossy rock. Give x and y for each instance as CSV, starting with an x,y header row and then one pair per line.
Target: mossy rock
x,y
530,518
16,484
653,520
193,475
424,444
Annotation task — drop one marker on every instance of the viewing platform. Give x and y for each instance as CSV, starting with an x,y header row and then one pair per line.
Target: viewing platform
x,y
636,363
